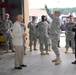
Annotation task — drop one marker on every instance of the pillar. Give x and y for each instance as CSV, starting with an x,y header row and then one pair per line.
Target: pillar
x,y
26,19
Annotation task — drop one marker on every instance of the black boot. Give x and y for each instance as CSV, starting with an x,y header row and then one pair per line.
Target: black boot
x,y
74,62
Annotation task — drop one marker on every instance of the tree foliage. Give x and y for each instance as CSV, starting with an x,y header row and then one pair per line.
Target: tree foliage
x,y
63,10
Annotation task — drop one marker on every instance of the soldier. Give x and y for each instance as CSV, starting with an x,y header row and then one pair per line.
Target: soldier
x,y
75,20
74,30
0,30
7,32
43,27
49,38
24,29
54,33
32,33
69,34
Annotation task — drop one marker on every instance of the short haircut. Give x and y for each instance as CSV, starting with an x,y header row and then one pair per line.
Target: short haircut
x,y
57,12
70,15
33,17
43,17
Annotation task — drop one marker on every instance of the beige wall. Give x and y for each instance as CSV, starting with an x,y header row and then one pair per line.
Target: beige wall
x,y
26,18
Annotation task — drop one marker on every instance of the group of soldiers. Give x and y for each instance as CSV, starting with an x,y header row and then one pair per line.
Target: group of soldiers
x,y
70,34
39,31
6,28
14,38
47,32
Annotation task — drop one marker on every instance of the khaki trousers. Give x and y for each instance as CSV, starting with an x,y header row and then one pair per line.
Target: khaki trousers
x,y
19,53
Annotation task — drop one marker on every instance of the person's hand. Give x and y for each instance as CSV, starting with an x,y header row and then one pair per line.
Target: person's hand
x,y
8,30
25,34
45,6
12,36
5,29
75,27
30,23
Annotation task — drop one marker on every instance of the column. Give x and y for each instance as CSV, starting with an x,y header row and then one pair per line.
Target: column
x,y
26,19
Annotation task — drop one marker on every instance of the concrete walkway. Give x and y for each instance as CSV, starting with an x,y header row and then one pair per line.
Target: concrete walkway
x,y
39,64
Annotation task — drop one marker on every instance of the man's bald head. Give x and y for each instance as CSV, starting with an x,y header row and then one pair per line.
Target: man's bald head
x,y
19,17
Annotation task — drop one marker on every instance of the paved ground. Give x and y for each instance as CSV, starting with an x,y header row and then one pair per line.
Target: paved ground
x,y
39,64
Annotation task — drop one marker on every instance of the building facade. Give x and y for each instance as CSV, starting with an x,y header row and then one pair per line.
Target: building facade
x,y
14,7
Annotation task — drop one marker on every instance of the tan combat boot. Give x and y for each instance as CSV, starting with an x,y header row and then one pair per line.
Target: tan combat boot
x,y
30,48
42,53
13,50
58,61
25,53
7,51
66,50
47,53
54,60
49,48
73,51
35,48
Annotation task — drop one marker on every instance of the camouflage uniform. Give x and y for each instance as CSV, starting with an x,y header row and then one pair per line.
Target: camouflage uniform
x,y
49,38
43,35
32,33
6,28
69,35
54,32
23,30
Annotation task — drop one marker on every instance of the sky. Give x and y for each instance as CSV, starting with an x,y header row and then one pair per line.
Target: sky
x,y
51,3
